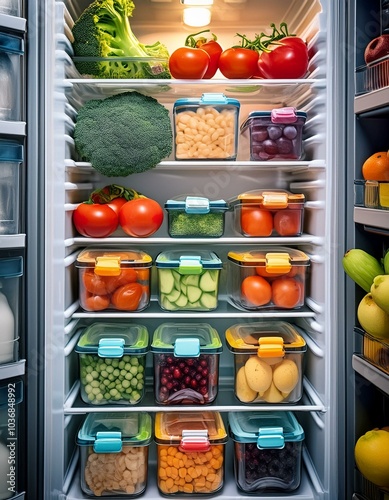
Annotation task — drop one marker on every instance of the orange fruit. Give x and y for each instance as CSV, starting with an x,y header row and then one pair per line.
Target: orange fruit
x,y
376,167
372,456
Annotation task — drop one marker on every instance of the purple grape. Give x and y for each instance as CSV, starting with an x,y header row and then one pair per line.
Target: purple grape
x,y
285,146
270,147
274,132
290,132
259,134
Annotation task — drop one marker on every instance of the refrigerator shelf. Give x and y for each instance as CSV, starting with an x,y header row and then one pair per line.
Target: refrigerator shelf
x,y
373,217
12,241
12,128
13,22
370,372
372,100
10,370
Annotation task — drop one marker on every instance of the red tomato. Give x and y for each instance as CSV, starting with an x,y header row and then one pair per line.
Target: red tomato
x,y
237,62
141,217
289,59
116,204
287,292
287,222
95,220
93,283
261,271
256,221
256,291
93,302
127,275
127,297
188,62
214,50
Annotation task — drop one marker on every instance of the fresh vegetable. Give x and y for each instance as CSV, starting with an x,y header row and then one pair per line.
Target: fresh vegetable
x,y
385,262
372,318
380,291
109,193
256,291
104,31
255,221
376,167
189,63
141,217
123,134
208,225
211,46
94,220
361,267
239,61
287,292
287,222
127,297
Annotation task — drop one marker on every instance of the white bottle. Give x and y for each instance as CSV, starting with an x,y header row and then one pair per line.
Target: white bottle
x,y
7,331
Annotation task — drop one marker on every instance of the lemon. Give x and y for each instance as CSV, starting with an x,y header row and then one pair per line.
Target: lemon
x,y
372,456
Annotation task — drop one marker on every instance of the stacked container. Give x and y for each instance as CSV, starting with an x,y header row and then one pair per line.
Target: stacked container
x,y
114,451
186,363
11,157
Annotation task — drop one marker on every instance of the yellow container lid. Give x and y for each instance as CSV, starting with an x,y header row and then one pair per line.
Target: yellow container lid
x,y
109,262
272,199
276,260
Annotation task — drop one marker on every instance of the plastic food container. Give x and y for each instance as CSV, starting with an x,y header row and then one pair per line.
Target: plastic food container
x,y
188,280
112,363
11,270
269,212
11,51
267,277
186,363
195,217
206,128
10,7
114,279
194,442
268,361
375,350
11,156
114,451
273,441
275,134
371,194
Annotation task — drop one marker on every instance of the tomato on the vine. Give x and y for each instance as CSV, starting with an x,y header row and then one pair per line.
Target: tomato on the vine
x,y
116,204
238,62
188,63
288,59
141,217
211,46
95,220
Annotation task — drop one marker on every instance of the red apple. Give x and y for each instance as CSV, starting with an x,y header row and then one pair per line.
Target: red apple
x,y
377,48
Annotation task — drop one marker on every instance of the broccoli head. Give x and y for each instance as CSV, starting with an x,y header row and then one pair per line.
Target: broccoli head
x,y
103,31
123,134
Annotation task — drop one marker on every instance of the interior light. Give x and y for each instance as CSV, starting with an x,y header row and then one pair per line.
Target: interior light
x,y
196,16
197,2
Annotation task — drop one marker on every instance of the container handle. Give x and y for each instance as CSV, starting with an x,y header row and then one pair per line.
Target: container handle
x,y
111,348
194,441
196,205
270,437
187,348
108,442
190,264
284,115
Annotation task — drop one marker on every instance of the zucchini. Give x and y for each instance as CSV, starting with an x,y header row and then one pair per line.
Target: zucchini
x,y
361,267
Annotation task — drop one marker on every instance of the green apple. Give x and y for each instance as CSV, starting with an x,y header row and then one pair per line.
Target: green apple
x,y
380,291
372,318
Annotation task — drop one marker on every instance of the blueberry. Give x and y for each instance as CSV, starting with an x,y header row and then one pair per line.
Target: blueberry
x,y
274,468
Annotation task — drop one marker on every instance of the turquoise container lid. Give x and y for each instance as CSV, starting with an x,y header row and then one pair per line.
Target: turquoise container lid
x,y
186,339
196,205
11,152
113,340
270,429
108,431
11,43
207,99
11,268
188,261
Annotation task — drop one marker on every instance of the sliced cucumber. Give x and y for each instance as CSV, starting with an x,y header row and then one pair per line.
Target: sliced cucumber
x,y
166,280
182,301
177,279
208,281
208,300
173,295
193,293
166,304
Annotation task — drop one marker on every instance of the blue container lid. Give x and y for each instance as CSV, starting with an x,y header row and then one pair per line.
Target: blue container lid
x,y
11,151
270,429
11,268
188,261
11,43
196,205
207,99
108,431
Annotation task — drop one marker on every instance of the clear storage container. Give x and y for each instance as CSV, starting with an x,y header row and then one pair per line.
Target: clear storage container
x,y
269,212
11,77
267,451
375,350
11,7
206,128
268,277
186,363
188,280
371,194
114,450
275,134
11,271
11,157
115,279
112,363
195,217
268,361
194,442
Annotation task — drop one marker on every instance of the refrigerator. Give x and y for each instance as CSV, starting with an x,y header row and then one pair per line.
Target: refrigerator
x,y
343,394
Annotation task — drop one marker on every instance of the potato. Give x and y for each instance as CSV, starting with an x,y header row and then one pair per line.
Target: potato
x,y
258,374
286,376
273,395
243,391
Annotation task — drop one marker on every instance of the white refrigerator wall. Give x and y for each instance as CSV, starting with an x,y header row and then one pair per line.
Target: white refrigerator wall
x,y
319,176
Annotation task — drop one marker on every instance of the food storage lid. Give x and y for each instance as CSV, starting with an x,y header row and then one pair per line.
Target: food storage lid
x,y
196,205
276,115
109,431
113,340
269,429
11,43
191,431
11,152
266,339
186,339
207,99
109,262
276,260
272,199
11,393
11,268
188,261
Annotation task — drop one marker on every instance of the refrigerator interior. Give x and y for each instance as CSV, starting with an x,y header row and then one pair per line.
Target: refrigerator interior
x,y
319,176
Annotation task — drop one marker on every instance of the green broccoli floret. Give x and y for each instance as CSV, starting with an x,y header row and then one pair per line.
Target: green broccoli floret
x,y
123,134
209,225
103,30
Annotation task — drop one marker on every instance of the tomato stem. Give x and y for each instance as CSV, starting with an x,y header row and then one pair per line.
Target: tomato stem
x,y
191,41
262,41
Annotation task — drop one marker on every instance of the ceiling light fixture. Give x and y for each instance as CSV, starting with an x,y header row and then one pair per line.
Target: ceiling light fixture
x,y
198,3
196,16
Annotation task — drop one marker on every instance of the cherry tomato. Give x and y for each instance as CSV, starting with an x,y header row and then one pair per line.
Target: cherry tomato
x,y
214,51
188,62
95,220
141,217
116,204
127,275
256,291
256,221
93,302
287,292
94,283
287,222
237,62
127,297
289,59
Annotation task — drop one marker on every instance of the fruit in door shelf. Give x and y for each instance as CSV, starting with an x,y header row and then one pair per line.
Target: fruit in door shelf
x,y
372,456
361,267
377,48
376,167
380,291
372,318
